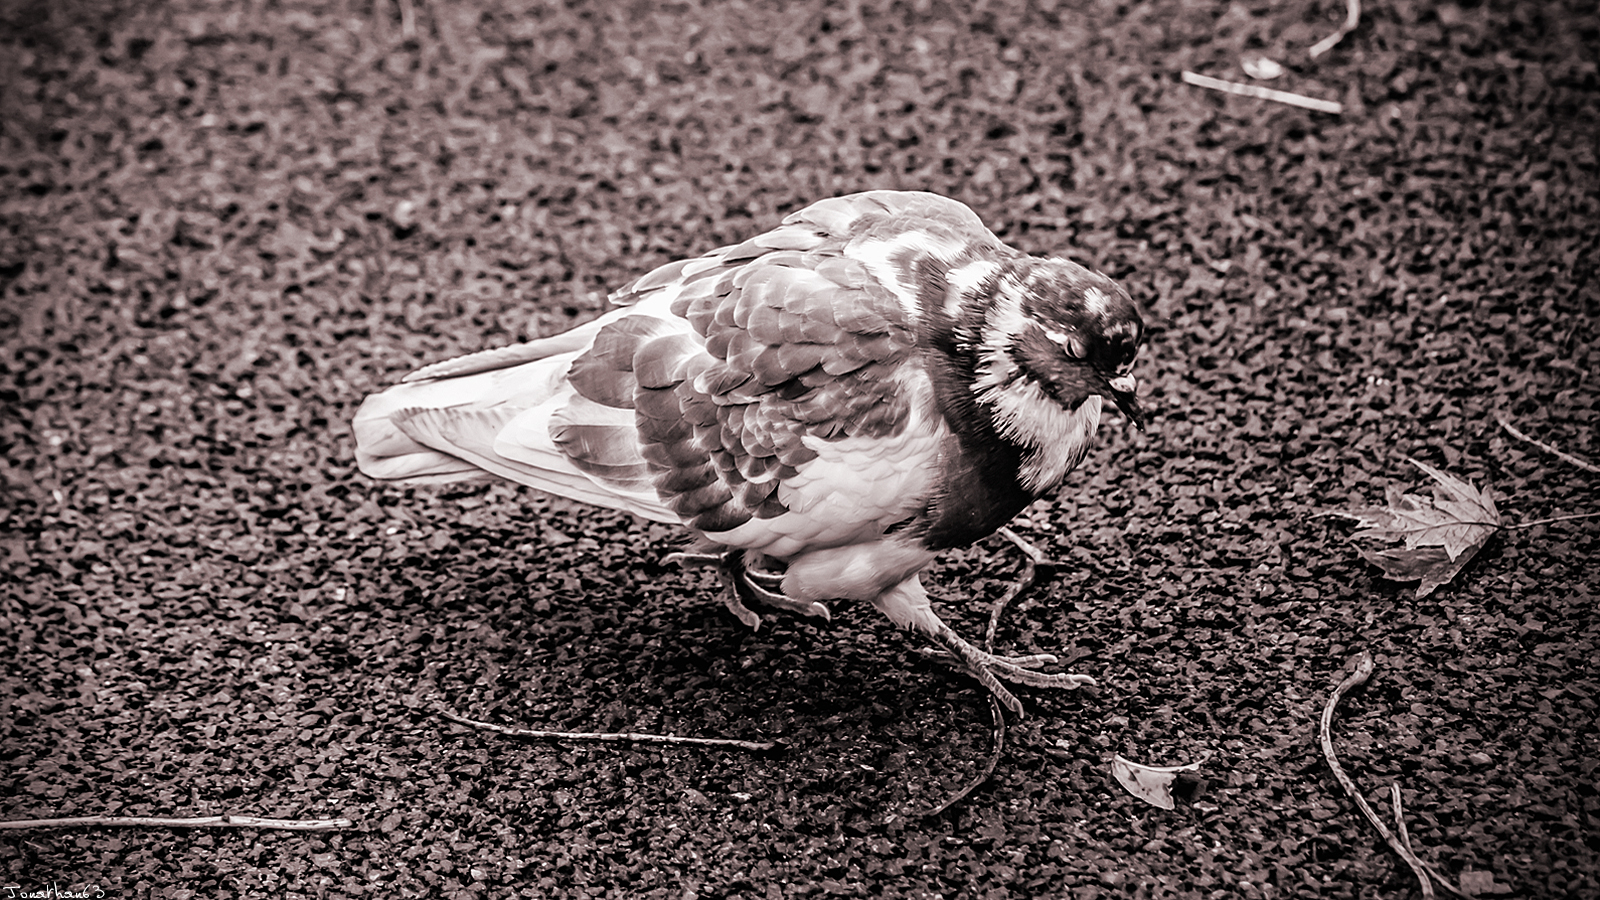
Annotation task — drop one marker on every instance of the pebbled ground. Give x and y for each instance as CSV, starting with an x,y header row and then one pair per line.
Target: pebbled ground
x,y
221,225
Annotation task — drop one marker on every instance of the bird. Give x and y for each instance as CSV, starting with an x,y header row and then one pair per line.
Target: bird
x,y
824,407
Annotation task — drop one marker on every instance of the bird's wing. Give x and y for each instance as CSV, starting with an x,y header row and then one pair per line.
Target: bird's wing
x,y
793,411
769,394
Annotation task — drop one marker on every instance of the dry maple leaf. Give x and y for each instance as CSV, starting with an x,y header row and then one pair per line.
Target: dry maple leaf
x,y
1441,535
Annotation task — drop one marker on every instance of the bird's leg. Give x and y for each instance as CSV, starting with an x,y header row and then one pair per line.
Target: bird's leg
x,y
747,585
1030,572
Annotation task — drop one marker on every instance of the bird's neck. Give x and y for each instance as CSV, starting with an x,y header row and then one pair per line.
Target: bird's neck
x,y
1011,442
1009,406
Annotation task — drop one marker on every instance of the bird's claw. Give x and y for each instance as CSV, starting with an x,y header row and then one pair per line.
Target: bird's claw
x,y
756,586
989,669
740,611
1031,661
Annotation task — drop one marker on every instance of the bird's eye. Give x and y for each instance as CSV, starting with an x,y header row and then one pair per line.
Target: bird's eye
x,y
1070,344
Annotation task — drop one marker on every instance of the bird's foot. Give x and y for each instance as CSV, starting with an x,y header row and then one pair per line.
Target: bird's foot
x,y
762,587
748,585
989,669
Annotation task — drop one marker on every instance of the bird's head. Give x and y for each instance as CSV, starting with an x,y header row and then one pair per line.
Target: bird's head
x,y
1053,326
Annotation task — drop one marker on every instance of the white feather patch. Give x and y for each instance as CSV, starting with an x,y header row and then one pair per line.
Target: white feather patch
x,y
525,439
885,259
906,604
862,571
1054,439
962,281
1004,322
1095,301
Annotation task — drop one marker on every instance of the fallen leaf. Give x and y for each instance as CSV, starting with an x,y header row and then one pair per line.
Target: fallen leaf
x,y
1441,534
1152,784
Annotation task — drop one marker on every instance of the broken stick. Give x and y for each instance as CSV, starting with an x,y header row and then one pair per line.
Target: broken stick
x,y
1261,93
193,822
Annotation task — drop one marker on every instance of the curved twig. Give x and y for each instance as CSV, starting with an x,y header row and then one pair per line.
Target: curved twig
x,y
194,822
1352,18
998,742
1363,671
1405,838
1399,815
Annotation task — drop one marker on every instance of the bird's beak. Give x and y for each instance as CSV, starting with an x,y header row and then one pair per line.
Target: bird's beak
x,y
1123,388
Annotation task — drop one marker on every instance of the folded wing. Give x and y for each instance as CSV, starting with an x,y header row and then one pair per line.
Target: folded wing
x,y
768,394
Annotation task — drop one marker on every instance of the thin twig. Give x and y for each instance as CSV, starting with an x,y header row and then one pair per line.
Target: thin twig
x,y
997,742
1352,18
197,822
1363,671
618,737
1567,457
1030,572
1261,93
1405,838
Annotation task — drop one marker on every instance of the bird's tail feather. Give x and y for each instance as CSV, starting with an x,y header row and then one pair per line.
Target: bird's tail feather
x,y
510,412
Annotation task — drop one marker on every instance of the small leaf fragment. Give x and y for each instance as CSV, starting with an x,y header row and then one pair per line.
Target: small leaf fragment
x,y
1152,784
1261,67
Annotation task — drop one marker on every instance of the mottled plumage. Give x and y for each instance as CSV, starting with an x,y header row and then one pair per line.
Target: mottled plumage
x,y
875,380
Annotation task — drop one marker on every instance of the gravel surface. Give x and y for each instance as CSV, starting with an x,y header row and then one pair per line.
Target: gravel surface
x,y
221,225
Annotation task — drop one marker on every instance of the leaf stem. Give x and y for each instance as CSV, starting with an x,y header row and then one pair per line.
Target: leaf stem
x,y
1512,526
1538,522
